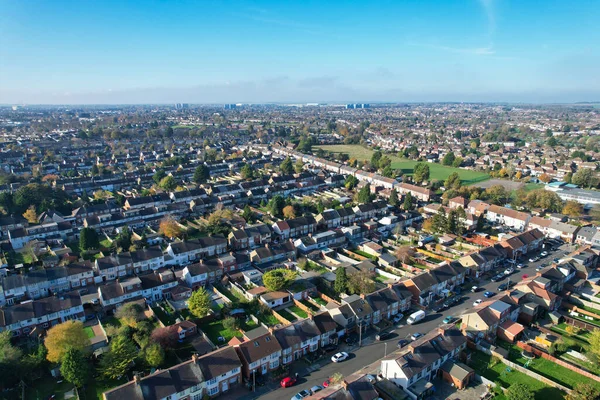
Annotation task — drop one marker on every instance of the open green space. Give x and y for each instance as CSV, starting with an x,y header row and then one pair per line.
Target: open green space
x,y
248,325
268,319
285,314
216,329
166,318
298,311
437,171
500,373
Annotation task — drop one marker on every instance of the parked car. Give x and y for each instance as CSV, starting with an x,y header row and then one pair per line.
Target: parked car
x,y
544,253
508,271
538,269
339,357
287,382
489,294
497,278
402,343
300,395
520,266
474,289
397,318
326,383
477,302
506,286
416,335
316,388
448,319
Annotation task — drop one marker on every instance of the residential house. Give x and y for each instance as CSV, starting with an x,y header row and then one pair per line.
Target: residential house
x,y
259,355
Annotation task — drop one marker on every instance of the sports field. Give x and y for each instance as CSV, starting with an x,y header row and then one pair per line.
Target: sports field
x,y
437,171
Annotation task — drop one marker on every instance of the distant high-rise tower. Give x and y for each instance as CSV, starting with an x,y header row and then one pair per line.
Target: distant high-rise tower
x,y
182,106
230,106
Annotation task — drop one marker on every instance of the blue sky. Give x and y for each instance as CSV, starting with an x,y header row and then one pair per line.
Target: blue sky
x,y
147,51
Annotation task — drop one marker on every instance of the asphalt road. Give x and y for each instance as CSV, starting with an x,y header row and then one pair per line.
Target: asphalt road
x,y
371,350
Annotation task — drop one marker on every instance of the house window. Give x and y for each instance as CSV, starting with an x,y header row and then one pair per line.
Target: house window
x,y
213,391
197,397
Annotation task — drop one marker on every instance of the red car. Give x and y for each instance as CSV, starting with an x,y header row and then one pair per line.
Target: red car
x,y
326,383
287,382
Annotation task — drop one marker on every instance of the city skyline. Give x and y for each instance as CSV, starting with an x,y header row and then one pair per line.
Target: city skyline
x,y
263,52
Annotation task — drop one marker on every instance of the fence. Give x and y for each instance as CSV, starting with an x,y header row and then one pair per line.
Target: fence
x,y
572,307
303,307
327,298
433,255
387,274
281,318
221,295
580,324
153,314
558,361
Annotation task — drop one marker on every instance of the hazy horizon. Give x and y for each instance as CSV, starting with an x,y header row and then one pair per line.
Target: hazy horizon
x,y
153,52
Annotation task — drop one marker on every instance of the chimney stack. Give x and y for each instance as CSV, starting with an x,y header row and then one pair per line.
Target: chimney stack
x,y
344,384
362,296
194,358
136,379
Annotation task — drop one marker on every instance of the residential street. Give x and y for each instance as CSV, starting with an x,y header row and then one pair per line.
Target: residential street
x,y
371,350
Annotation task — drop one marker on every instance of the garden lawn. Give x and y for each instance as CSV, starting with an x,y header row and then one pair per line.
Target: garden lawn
x,y
248,325
298,311
437,171
309,305
287,315
89,332
362,253
499,374
319,301
216,329
267,319
105,243
45,387
96,387
166,319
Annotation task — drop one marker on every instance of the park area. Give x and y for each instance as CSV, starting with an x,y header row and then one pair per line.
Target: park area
x,y
437,171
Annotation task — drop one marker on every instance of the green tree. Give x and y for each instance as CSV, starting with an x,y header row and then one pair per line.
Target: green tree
x,y
248,214
168,183
88,239
130,313
277,279
519,391
286,166
457,162
351,182
199,303
364,195
276,205
448,159
453,181
75,368
231,323
154,355
360,282
584,177
394,200
440,221
408,202
201,174
299,166
552,142
119,358
594,340
247,172
497,194
421,172
375,159
341,280
158,176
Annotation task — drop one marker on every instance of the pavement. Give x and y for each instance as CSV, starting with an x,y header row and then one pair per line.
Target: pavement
x,y
370,351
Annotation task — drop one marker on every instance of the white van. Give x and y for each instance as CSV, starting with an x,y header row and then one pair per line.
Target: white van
x,y
415,317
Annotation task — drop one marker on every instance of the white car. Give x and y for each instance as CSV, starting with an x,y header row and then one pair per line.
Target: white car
x,y
532,259
339,357
544,253
520,266
477,302
508,271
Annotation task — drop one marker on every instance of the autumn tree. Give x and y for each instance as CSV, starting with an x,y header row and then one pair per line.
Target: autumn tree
x,y
594,340
404,254
199,303
584,391
573,208
170,228
299,166
289,212
361,282
61,337
168,183
545,178
154,355
165,337
130,313
31,215
351,182
584,177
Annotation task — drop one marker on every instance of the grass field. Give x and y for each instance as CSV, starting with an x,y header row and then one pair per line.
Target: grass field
x,y
216,329
437,171
298,311
89,332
